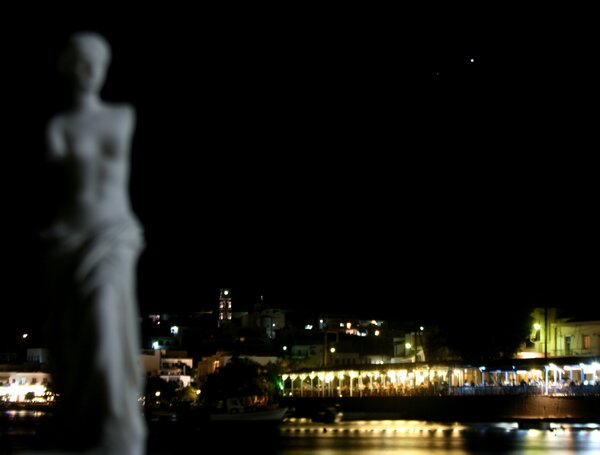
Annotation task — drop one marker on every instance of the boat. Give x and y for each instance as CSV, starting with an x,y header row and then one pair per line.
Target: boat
x,y
245,415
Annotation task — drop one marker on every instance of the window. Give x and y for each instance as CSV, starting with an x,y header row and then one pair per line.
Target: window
x,y
586,342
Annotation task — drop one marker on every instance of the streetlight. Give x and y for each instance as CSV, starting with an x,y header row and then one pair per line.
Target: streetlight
x,y
326,342
321,377
545,331
393,379
341,375
292,379
329,380
302,378
407,348
284,378
352,375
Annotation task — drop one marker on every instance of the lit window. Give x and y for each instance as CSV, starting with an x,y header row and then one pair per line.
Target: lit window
x,y
587,342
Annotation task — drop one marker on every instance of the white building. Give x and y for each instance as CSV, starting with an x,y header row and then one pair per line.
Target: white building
x,y
16,386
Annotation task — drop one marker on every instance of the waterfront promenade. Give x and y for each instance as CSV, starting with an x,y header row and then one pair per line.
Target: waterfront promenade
x,y
456,408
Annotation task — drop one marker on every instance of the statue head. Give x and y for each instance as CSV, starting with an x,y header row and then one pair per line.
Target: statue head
x,y
85,60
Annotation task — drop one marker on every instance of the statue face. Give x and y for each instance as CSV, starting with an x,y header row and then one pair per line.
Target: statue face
x,y
87,65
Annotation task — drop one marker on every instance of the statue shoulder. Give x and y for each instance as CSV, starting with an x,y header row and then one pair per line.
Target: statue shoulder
x,y
124,111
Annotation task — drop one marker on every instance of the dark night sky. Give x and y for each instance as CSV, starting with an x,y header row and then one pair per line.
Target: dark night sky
x,y
332,161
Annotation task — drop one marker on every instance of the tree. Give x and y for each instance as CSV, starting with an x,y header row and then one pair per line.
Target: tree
x,y
160,393
241,378
484,326
492,333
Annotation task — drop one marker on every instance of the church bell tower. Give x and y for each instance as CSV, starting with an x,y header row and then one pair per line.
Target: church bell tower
x,y
225,311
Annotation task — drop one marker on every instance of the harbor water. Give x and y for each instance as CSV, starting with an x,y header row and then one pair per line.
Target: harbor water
x,y
301,436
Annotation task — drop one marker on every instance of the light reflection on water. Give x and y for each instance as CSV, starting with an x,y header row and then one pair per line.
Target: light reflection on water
x,y
368,437
15,414
420,438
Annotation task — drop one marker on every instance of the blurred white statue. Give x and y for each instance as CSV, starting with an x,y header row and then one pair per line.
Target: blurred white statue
x,y
94,246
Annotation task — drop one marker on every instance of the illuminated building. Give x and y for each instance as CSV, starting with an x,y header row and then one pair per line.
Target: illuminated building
x,y
225,311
